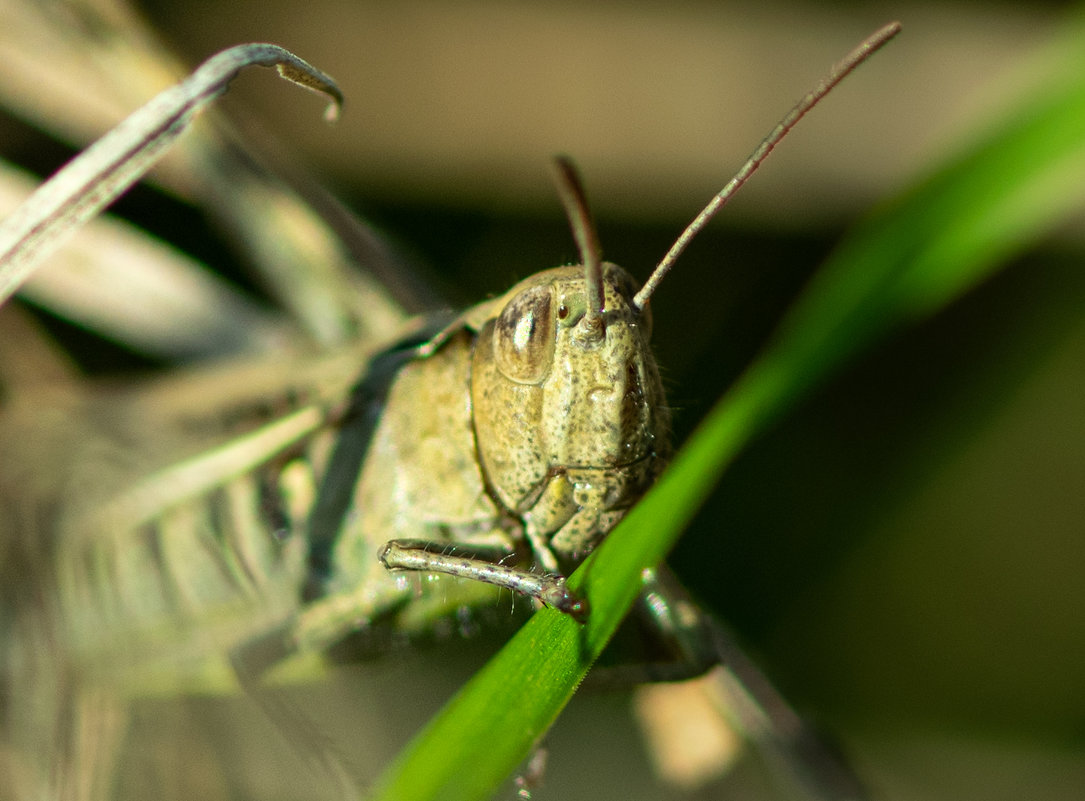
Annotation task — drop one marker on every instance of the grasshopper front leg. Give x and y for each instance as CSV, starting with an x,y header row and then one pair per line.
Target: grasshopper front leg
x,y
547,588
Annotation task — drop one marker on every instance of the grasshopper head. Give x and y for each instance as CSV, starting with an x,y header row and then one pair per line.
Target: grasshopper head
x,y
568,407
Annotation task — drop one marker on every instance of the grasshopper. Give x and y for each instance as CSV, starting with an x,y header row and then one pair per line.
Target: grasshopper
x,y
499,446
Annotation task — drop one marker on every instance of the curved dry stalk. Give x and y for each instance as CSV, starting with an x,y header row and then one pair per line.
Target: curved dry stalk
x,y
111,165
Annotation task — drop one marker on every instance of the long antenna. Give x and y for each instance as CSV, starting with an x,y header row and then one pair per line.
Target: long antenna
x,y
575,201
856,57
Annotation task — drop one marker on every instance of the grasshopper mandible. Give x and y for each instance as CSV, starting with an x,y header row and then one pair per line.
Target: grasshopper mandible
x,y
534,420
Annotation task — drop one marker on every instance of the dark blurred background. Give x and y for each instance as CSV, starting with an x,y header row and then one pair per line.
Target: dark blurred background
x,y
905,551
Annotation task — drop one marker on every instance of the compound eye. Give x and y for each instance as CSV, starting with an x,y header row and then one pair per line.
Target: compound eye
x,y
524,336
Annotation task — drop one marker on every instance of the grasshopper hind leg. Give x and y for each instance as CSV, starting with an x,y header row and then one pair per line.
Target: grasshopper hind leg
x,y
705,656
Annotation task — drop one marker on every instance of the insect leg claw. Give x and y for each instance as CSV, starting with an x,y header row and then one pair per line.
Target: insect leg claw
x,y
555,594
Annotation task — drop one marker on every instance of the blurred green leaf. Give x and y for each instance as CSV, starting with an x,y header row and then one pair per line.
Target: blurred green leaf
x,y
912,257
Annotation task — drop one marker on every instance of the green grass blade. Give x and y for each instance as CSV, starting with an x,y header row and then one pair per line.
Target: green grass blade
x,y
916,255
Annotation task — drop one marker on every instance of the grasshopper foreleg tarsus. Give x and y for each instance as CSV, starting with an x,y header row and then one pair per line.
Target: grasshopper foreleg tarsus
x,y
547,588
